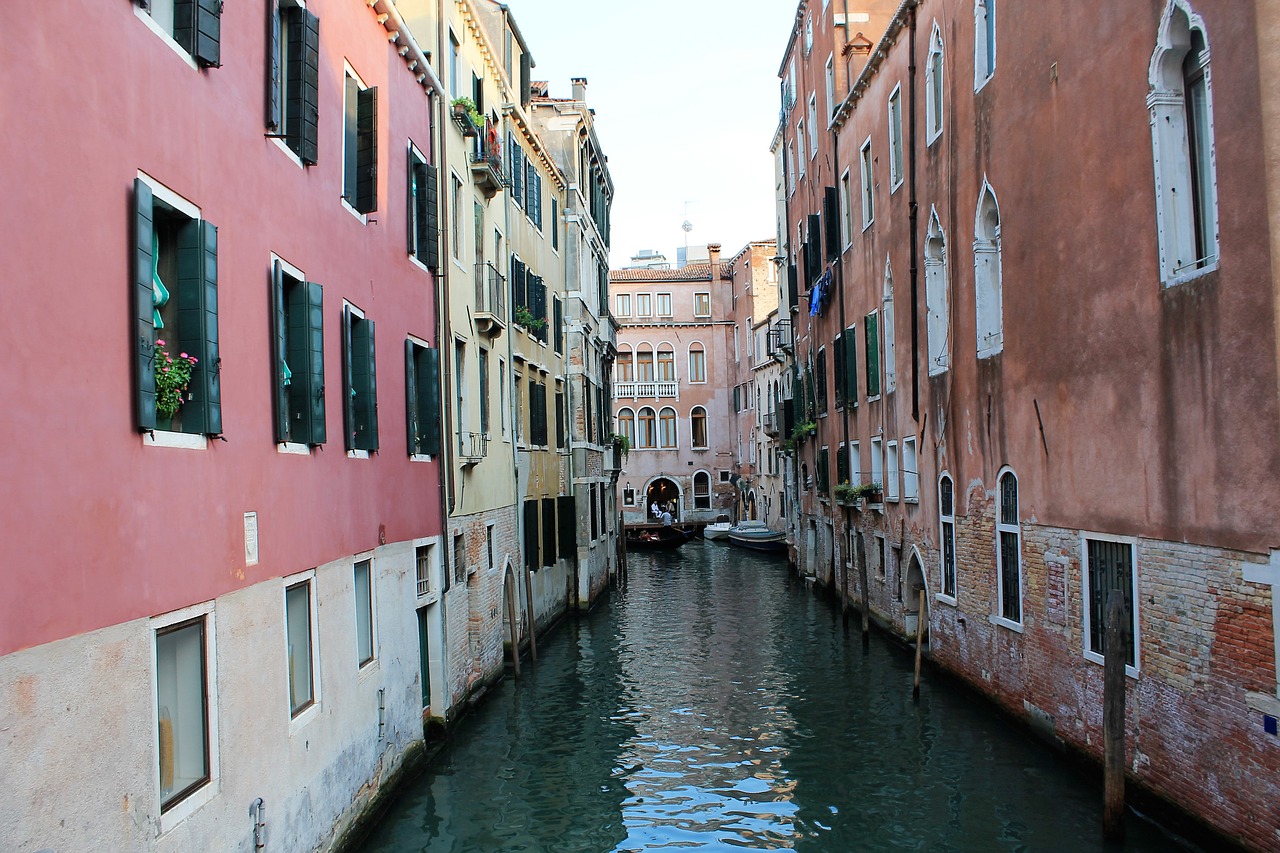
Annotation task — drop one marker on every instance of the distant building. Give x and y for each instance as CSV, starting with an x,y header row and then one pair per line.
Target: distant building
x,y
648,259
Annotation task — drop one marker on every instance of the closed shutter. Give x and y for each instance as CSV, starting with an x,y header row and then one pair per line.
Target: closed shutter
x,y
367,150
831,221
432,215
548,531
412,426
793,285
198,324
737,398
313,404
872,330
814,248
208,32
558,311
567,516
368,385
837,357
308,77
851,365
279,356
428,376
526,75
517,171
144,331
531,535
184,23
348,386
274,71
559,420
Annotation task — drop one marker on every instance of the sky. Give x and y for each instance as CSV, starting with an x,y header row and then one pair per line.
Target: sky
x,y
685,94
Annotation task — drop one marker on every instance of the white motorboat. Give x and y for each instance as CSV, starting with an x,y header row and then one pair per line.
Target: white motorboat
x,y
719,530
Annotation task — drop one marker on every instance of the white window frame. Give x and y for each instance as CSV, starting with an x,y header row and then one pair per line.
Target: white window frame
x,y
877,461
660,300
675,428
348,71
935,113
1000,527
889,365
703,351
988,283
202,795
699,298
813,125
868,187
706,429
937,298
367,666
984,45
944,519
623,304
896,172
308,712
831,88
910,470
644,304
846,213
855,463
1087,620
800,136
167,37
891,489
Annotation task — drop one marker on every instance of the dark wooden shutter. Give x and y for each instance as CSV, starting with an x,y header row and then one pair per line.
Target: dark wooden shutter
x,y
548,531
184,24
526,83
851,365
558,311
431,213
872,333
308,89
144,332
837,360
274,71
367,150
831,221
737,398
567,516
208,32
793,285
279,355
316,428
429,399
411,397
198,324
348,387
559,420
517,172
412,207
814,248
368,397
531,535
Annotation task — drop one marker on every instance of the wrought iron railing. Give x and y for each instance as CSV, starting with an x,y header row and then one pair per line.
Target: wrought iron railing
x,y
472,447
491,290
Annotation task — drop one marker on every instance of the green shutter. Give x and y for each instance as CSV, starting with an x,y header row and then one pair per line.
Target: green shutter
x,y
198,324
837,361
317,429
208,32
279,355
851,365
144,332
548,531
365,382
567,516
367,150
308,117
558,312
413,207
531,535
559,420
431,216
737,398
411,398
873,354
349,392
274,71
428,375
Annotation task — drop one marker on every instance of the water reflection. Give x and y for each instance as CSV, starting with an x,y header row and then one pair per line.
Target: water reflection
x,y
718,705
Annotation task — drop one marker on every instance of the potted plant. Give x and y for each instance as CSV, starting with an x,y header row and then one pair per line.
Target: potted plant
x,y
467,116
173,375
621,442
801,431
846,494
873,492
524,317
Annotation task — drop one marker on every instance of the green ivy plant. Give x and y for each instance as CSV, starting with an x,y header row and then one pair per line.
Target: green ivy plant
x,y
173,374
524,317
473,112
621,442
801,431
846,493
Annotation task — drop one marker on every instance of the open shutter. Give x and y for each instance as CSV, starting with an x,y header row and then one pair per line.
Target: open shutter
x,y
279,355
793,285
548,531
274,71
526,78
208,32
831,221
531,535
412,207
207,378
558,311
348,384
411,398
198,324
317,429
814,248
308,116
837,359
369,397
872,330
428,377
567,516
429,192
559,420
367,150
144,332
184,24
851,365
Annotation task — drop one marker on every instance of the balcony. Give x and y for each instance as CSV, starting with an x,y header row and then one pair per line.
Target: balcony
x,y
486,169
779,340
472,447
771,422
491,289
640,390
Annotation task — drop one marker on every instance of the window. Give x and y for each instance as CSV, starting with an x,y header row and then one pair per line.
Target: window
x,y
820,382
360,145
984,46
624,304
666,363
193,25
422,398
1181,106
800,137
935,285
628,496
910,471
502,397
298,632
702,490
627,425
791,173
625,365
460,557
364,612
868,187
933,86
871,333
667,428
877,461
988,288
891,471
424,211
484,391
182,709
895,139
175,264
454,73
855,464
555,224
846,211
697,363
664,304
1110,564
644,365
644,306
359,381
813,126
831,87
947,521
422,562
647,439
702,304
459,401
886,314
1009,550
808,35
698,427
293,86
882,553
297,330
455,212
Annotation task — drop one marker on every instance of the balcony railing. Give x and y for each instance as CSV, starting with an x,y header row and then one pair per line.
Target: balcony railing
x,y
486,170
491,295
770,421
472,447
779,340
637,390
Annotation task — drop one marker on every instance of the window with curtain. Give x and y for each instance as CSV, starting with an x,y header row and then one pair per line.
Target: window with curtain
x,y
644,365
666,363
647,437
667,428
697,363
698,424
627,425
624,368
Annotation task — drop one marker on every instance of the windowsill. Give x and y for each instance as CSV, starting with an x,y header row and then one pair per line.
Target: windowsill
x,y
943,598
304,716
357,454
367,669
875,399
1016,627
189,806
932,137
1094,657
364,219
982,84
895,186
165,37
911,500
293,448
420,457
413,259
867,224
990,352
288,152
430,597
181,440
1187,277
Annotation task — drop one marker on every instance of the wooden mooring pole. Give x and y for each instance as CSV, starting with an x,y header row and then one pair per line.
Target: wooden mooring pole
x,y
920,623
533,624
514,616
1113,687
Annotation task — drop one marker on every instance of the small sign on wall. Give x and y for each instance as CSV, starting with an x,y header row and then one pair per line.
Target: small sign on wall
x,y
251,539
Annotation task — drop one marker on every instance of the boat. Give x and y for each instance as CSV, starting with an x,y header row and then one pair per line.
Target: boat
x,y
756,536
719,530
655,538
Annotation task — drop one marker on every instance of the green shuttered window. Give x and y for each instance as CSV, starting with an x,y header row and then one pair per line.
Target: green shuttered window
x,y
297,331
293,80
872,325
422,390
359,381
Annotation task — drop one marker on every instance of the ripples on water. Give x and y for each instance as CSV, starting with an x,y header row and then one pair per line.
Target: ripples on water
x,y
717,705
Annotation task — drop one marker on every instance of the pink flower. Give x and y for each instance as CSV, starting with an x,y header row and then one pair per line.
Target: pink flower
x,y
182,355
194,359
159,343
164,370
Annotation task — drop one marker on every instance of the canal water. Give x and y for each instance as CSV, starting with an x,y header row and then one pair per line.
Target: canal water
x,y
717,704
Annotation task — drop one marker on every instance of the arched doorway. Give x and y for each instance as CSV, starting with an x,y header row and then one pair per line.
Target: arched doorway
x,y
915,582
666,494
511,616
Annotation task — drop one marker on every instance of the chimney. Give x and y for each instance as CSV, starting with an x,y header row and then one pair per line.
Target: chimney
x,y
580,89
713,254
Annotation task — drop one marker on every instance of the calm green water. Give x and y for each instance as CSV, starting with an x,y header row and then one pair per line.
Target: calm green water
x,y
718,705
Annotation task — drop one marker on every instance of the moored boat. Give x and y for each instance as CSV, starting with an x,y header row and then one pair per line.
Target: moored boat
x,y
655,538
719,530
758,537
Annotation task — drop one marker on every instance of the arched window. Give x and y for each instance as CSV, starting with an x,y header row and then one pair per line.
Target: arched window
x,y
666,363
697,363
625,365
890,361
647,437
1009,548
644,363
667,428
947,522
988,288
627,425
698,425
935,286
702,490
984,47
933,87
1181,106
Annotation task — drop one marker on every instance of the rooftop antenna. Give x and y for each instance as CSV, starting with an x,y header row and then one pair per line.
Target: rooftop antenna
x,y
687,226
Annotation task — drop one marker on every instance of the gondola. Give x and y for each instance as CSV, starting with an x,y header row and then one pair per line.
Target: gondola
x,y
655,538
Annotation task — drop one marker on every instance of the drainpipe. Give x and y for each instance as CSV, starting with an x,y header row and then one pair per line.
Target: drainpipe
x,y
257,811
914,215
